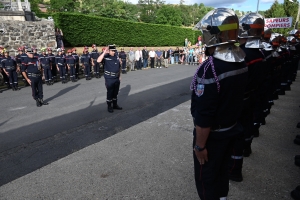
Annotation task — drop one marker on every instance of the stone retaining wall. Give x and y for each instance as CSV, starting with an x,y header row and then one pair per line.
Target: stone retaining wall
x,y
27,33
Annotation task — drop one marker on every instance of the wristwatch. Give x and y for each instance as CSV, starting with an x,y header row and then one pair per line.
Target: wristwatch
x,y
199,148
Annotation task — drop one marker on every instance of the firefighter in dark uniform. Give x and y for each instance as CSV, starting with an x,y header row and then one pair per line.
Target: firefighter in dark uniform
x,y
217,100
10,67
53,64
251,29
94,56
122,56
34,77
23,57
60,62
85,61
70,61
46,64
35,54
75,55
19,61
5,77
112,77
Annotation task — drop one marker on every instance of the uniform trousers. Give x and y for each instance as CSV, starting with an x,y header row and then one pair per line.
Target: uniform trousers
x,y
13,77
5,77
246,120
54,71
37,87
212,181
47,73
62,72
112,86
87,69
123,65
72,72
96,68
77,70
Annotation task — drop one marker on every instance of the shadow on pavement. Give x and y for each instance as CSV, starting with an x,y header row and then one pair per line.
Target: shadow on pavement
x,y
32,149
62,92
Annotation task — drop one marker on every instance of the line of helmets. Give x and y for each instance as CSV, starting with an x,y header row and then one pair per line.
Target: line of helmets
x,y
222,26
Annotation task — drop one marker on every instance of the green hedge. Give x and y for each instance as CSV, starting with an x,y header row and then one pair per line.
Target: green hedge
x,y
80,30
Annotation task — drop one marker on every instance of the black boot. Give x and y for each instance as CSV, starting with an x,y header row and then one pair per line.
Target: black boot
x,y
13,88
38,103
236,177
42,102
17,88
116,106
109,108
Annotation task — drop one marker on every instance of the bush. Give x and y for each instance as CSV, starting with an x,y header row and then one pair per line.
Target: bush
x,y
80,30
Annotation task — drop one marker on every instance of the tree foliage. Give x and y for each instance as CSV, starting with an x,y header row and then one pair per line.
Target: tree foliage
x,y
168,15
64,5
287,9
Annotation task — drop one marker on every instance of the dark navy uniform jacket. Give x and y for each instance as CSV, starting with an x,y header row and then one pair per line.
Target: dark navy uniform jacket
x,y
9,64
60,60
94,55
30,65
75,55
44,60
220,108
23,57
122,55
256,69
1,57
85,59
111,67
18,59
70,60
51,58
36,55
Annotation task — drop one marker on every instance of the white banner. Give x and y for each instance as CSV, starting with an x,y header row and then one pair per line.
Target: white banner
x,y
282,22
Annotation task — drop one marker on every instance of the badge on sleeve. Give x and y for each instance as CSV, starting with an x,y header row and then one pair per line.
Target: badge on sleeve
x,y
200,90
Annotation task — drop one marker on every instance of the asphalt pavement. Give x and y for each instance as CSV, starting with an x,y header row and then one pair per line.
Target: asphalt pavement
x,y
75,149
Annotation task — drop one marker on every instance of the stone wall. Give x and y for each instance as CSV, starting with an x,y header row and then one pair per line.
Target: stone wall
x,y
27,33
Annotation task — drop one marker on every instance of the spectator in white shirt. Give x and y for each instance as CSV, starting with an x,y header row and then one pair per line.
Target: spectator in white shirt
x,y
152,57
138,59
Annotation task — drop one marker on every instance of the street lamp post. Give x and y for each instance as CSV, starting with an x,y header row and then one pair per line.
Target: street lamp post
x,y
258,6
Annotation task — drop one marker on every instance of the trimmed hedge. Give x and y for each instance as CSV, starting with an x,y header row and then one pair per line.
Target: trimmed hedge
x,y
81,30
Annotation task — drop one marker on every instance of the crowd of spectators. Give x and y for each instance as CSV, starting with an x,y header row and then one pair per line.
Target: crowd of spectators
x,y
138,59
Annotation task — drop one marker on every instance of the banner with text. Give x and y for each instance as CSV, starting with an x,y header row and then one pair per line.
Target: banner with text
x,y
282,22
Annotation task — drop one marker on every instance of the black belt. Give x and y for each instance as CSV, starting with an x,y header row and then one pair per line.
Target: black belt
x,y
45,65
33,75
123,58
71,65
223,127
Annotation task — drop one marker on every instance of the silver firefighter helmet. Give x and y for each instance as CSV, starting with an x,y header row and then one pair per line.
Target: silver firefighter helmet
x,y
251,25
219,26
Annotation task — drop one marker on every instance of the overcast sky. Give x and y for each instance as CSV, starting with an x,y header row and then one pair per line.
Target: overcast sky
x,y
242,5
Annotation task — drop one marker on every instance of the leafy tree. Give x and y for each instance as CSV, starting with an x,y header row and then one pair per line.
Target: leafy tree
x,y
276,10
64,5
291,9
34,6
170,15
